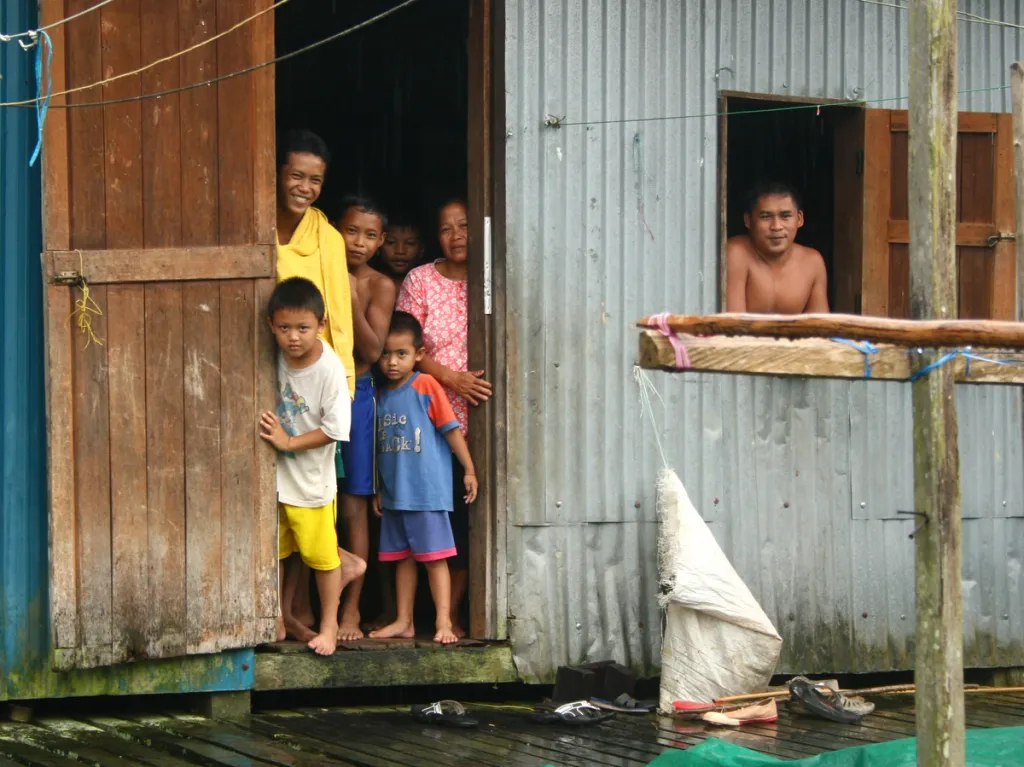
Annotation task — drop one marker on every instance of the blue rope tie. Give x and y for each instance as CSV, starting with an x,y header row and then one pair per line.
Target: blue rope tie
x,y
42,101
864,347
968,355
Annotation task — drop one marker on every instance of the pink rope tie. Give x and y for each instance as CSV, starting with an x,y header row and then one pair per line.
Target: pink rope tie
x,y
660,322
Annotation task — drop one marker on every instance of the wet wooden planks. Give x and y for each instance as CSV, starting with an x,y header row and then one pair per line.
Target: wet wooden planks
x,y
389,737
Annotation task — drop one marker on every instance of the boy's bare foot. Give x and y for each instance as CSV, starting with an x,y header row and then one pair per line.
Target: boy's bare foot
x,y
324,643
298,630
458,630
445,634
398,629
306,618
351,568
348,629
382,620
281,633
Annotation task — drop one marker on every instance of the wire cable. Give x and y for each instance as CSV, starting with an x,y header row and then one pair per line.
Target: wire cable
x,y
973,18
558,123
158,62
53,25
221,78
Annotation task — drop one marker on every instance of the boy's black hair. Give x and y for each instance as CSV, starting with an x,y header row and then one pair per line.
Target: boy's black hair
x,y
403,322
302,140
296,293
404,219
764,188
364,204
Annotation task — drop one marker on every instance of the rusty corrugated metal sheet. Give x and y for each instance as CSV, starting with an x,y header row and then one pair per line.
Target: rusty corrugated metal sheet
x,y
611,221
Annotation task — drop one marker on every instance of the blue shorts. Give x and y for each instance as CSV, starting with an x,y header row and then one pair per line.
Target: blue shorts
x,y
426,536
360,452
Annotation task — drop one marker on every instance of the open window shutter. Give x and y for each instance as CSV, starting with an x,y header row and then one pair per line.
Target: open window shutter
x,y
163,521
986,270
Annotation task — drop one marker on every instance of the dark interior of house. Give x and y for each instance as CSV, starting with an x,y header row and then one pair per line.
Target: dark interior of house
x,y
390,101
792,146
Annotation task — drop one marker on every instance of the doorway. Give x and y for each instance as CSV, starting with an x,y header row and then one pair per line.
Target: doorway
x,y
402,105
790,141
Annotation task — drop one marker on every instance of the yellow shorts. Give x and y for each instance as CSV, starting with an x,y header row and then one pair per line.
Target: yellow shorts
x,y
310,533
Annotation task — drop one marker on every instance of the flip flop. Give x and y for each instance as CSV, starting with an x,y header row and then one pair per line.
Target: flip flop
x,y
446,712
578,713
626,704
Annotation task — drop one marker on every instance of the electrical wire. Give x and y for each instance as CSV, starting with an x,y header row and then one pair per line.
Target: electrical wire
x,y
158,62
973,18
53,25
221,78
558,123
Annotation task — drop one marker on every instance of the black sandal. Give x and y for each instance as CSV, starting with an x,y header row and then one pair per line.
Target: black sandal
x,y
446,712
577,713
626,704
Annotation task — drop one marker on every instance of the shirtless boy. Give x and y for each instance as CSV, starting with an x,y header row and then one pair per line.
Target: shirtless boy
x,y
402,249
362,224
767,271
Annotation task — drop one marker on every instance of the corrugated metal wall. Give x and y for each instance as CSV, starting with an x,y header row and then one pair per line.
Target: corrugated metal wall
x,y
24,606
800,480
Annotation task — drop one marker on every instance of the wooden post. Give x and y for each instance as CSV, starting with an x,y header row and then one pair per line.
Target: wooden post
x,y
1017,96
933,294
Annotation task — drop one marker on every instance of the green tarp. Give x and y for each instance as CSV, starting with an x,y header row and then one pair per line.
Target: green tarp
x,y
997,747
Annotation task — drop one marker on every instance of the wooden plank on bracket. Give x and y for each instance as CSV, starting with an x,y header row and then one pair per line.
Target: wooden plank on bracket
x,y
203,524
92,485
990,334
265,506
264,141
164,264
60,420
56,176
165,459
129,514
813,357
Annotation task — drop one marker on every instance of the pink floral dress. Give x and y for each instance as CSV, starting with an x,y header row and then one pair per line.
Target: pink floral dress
x,y
442,308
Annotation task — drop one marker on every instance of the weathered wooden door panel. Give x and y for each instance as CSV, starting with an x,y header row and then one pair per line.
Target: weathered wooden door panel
x,y
986,263
163,519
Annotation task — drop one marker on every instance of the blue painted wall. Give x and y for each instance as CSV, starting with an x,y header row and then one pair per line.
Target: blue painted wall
x,y
23,562
24,601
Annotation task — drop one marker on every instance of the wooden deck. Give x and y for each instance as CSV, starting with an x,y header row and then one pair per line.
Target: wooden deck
x,y
382,737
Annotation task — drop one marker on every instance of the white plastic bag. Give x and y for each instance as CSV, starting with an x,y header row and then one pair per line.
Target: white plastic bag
x,y
718,641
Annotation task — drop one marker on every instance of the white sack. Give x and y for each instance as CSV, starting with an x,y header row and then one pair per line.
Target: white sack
x,y
717,641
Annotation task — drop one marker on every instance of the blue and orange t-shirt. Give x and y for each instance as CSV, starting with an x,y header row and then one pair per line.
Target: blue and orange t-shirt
x,y
413,456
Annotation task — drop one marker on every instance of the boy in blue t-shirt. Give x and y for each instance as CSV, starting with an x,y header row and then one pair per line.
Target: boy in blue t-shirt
x,y
417,432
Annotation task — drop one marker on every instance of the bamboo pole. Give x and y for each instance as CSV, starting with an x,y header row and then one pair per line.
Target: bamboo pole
x,y
992,334
938,672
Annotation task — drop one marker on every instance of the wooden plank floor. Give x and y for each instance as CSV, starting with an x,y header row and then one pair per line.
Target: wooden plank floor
x,y
386,737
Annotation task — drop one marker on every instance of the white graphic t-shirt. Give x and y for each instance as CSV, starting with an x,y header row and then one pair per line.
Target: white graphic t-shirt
x,y
316,397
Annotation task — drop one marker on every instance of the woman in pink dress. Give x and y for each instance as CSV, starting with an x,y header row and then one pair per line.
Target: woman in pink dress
x,y
435,294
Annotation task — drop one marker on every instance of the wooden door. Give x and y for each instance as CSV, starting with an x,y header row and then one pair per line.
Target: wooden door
x,y
163,521
986,261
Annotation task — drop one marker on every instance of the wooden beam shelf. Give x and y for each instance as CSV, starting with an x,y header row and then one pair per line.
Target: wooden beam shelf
x,y
815,357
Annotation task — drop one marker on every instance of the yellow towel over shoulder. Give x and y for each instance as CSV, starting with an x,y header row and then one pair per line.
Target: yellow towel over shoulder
x,y
317,252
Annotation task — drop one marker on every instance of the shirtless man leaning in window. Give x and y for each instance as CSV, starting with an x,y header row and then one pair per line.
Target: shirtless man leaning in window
x,y
767,272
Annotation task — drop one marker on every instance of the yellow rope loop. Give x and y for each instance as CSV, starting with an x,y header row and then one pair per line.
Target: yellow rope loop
x,y
85,308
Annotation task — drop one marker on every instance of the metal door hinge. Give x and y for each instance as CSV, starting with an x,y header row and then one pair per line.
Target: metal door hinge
x,y
67,278
994,239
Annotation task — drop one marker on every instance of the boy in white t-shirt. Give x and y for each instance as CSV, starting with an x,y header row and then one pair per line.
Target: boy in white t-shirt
x,y
313,413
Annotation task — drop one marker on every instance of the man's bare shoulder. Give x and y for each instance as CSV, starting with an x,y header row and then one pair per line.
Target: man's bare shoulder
x,y
808,256
739,247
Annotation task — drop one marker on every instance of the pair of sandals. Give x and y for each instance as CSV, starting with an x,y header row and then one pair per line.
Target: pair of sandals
x,y
451,713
